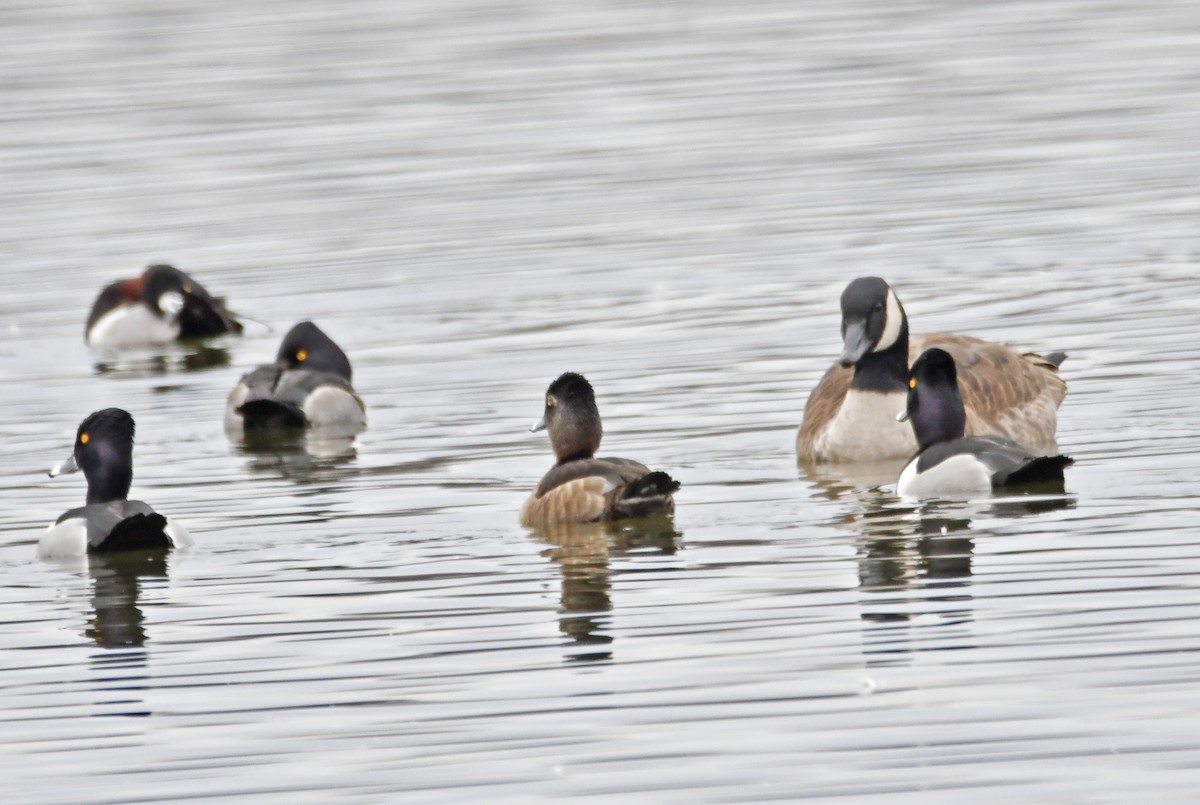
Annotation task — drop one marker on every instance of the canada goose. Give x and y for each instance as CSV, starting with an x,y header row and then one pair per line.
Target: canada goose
x,y
851,414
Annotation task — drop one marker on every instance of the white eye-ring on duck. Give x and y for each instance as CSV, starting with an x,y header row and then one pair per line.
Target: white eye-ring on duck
x,y
550,401
893,320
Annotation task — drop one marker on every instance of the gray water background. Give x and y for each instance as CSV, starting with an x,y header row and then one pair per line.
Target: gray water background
x,y
472,198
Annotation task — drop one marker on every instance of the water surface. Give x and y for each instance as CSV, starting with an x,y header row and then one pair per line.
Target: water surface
x,y
472,198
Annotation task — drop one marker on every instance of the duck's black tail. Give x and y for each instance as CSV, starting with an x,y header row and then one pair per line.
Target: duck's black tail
x,y
271,415
134,533
648,496
1043,471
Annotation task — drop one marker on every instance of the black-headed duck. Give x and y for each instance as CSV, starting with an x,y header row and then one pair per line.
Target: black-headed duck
x,y
308,386
161,306
110,521
951,464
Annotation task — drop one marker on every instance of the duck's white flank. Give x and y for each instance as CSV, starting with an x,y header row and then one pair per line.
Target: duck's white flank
x,y
233,418
331,406
957,476
131,326
69,538
180,538
63,540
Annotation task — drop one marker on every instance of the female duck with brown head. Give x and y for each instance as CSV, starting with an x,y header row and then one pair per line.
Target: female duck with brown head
x,y
581,488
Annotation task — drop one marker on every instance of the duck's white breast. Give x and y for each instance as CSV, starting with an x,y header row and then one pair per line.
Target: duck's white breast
x,y
131,326
957,476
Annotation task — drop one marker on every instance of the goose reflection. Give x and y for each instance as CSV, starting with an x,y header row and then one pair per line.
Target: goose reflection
x,y
583,552
837,481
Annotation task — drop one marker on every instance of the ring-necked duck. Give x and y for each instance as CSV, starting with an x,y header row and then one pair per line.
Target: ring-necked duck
x,y
951,464
161,306
581,488
851,414
308,386
109,522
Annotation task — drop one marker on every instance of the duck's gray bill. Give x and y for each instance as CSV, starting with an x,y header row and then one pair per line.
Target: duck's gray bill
x,y
66,468
902,416
539,425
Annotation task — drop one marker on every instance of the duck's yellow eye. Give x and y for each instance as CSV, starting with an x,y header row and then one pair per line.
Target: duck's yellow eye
x,y
302,355
550,401
187,288
83,438
912,382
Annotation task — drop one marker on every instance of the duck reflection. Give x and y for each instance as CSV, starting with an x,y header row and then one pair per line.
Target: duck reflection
x,y
117,625
296,453
902,545
583,552
188,357
117,620
915,563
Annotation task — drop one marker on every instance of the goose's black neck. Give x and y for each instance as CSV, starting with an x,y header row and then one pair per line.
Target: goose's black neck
x,y
885,370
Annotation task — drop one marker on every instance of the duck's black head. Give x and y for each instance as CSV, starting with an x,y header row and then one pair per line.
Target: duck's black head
x,y
572,418
165,287
306,347
935,407
174,294
873,323
104,451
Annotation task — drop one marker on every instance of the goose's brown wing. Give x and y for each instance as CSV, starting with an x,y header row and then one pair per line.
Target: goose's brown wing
x,y
1006,393
823,404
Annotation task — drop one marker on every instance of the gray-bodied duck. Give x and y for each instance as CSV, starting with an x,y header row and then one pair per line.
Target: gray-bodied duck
x,y
308,386
109,521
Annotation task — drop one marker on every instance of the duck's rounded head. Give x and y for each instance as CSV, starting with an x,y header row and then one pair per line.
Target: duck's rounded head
x,y
104,451
307,347
873,319
163,288
934,405
572,418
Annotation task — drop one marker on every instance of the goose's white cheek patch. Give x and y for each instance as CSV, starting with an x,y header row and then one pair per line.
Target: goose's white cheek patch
x,y
891,326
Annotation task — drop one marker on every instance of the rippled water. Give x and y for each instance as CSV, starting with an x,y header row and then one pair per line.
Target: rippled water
x,y
472,198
